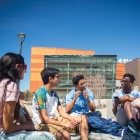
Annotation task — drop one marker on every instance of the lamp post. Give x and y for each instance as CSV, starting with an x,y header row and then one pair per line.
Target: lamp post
x,y
22,38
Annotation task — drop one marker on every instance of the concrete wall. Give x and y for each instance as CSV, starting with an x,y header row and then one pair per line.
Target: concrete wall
x,y
105,107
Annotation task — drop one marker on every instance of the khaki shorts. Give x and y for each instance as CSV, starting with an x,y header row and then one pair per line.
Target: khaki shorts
x,y
54,128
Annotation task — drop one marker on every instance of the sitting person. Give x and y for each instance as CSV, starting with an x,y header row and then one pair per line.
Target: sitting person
x,y
46,103
12,69
80,100
125,113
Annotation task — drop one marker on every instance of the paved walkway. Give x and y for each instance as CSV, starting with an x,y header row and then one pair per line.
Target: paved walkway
x,y
96,136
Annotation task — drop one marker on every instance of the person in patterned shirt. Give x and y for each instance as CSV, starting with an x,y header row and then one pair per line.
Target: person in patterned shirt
x,y
46,103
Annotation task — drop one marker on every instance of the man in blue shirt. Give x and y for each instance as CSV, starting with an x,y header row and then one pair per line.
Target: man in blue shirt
x,y
122,104
80,100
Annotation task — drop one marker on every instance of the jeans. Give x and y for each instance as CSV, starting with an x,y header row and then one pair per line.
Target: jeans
x,y
27,135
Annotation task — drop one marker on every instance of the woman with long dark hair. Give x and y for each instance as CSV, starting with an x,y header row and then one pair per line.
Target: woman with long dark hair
x,y
12,69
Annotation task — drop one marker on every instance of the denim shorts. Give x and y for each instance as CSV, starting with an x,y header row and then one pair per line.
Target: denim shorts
x,y
27,135
21,111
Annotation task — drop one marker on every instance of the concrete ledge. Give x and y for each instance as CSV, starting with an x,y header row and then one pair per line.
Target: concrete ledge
x,y
95,136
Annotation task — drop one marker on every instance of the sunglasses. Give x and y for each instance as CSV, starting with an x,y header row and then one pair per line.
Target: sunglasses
x,y
21,65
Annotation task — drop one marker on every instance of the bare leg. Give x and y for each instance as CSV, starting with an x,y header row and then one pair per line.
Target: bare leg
x,y
136,114
83,126
132,116
63,135
128,109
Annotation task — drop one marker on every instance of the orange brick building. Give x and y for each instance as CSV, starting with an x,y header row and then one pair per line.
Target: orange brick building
x,y
38,62
120,70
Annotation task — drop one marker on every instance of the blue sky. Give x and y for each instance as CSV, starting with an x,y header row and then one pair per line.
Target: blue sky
x,y
105,26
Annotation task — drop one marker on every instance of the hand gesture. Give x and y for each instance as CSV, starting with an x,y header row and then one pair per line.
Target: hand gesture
x,y
74,121
85,93
70,125
123,98
77,94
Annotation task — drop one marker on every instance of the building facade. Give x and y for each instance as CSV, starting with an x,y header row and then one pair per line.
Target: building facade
x,y
120,70
99,70
37,61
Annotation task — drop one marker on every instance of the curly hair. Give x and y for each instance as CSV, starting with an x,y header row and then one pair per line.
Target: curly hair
x,y
131,76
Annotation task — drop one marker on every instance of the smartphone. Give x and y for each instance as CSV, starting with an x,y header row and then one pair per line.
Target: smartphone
x,y
116,97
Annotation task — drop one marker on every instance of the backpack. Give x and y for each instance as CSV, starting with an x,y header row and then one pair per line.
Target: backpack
x,y
101,125
131,136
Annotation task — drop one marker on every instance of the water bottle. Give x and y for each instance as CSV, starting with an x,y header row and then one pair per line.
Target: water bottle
x,y
109,118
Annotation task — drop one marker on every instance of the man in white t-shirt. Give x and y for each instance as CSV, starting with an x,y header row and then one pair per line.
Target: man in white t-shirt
x,y
122,104
46,103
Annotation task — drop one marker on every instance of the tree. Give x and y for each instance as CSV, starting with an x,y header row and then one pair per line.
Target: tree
x,y
28,95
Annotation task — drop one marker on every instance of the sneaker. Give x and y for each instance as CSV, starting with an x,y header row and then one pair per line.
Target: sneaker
x,y
133,127
119,133
126,131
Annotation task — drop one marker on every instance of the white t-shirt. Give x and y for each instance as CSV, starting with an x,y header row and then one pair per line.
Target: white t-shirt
x,y
44,100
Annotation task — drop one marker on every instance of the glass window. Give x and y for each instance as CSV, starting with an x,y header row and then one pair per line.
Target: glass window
x,y
90,66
